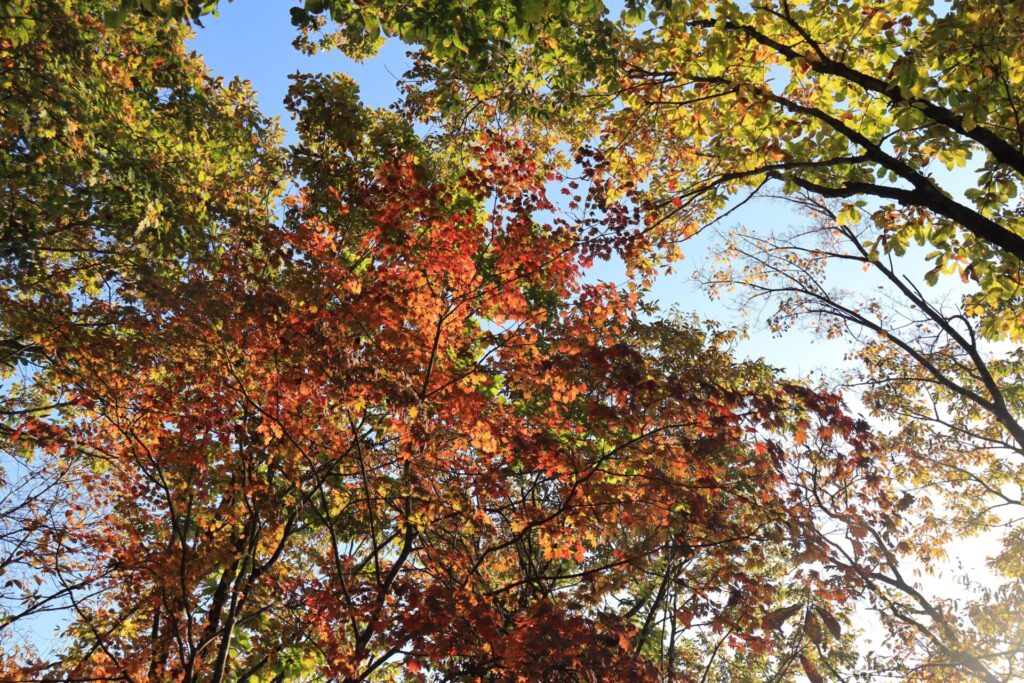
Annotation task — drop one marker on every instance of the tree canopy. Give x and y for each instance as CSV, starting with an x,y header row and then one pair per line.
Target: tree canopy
x,y
354,409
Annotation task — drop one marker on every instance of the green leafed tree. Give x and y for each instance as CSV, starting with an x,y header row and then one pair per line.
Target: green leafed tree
x,y
702,101
121,159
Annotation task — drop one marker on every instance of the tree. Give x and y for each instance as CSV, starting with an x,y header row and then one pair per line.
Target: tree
x,y
951,403
706,99
846,108
392,432
395,433
119,151
121,160
117,162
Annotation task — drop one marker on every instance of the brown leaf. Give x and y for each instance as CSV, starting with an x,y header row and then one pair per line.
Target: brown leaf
x,y
812,629
776,618
812,671
831,623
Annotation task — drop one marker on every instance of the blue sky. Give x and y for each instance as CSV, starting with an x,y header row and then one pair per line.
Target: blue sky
x,y
253,40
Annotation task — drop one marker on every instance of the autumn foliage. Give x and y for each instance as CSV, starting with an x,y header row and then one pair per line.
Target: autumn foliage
x,y
355,409
398,433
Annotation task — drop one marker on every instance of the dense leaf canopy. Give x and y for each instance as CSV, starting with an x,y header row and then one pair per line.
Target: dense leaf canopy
x,y
354,409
